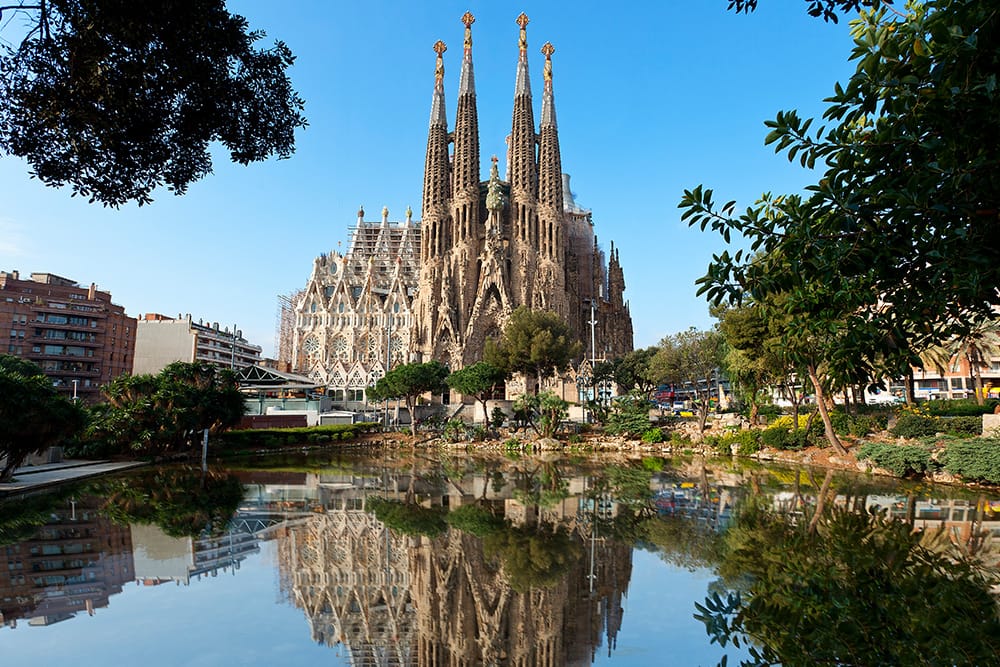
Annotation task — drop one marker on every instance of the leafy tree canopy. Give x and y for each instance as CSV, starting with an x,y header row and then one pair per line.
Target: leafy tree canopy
x,y
33,415
115,98
894,248
828,9
408,382
534,342
156,414
479,380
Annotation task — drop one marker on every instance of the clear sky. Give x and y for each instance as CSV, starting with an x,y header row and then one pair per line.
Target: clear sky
x,y
651,98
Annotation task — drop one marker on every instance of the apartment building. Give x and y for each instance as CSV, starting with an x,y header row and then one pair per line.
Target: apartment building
x,y
161,340
79,338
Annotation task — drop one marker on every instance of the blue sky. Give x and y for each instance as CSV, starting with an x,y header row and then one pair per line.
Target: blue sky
x,y
651,98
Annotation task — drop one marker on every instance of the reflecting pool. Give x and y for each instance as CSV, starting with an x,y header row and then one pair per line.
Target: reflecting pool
x,y
422,559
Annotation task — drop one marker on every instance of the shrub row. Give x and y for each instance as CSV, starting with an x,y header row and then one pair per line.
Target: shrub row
x,y
919,425
974,460
276,438
902,460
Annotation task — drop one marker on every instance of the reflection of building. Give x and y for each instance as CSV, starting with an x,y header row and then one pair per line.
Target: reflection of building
x,y
79,338
160,558
443,601
351,577
162,340
74,563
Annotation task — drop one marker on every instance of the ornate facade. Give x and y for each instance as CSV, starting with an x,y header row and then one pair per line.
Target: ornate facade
x,y
353,319
490,247
439,288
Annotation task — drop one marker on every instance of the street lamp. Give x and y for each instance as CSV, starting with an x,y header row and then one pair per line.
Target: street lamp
x,y
75,384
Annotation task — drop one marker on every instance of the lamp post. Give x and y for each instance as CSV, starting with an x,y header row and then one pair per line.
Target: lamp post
x,y
75,384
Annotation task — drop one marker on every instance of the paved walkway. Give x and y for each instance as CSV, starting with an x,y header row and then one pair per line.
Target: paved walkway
x,y
33,478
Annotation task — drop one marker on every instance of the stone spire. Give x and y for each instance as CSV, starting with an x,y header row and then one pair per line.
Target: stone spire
x,y
550,188
465,174
437,172
522,168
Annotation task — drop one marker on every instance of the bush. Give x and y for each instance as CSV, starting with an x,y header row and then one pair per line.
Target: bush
x,y
966,407
747,442
911,424
962,426
868,423
974,460
653,435
902,460
776,437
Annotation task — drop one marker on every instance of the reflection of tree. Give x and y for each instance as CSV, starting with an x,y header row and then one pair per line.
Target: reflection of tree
x,y
20,519
408,518
183,502
536,557
682,541
850,589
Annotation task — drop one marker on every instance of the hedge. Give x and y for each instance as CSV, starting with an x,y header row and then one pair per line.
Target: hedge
x,y
902,460
976,460
276,438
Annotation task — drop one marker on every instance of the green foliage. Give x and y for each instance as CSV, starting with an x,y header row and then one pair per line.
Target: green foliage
x,y
407,518
534,342
902,460
629,416
690,358
962,426
498,417
747,441
653,463
276,438
860,589
33,415
903,211
481,381
915,425
633,371
21,518
408,382
475,520
776,437
454,431
682,541
958,408
115,100
653,436
156,415
976,460
534,558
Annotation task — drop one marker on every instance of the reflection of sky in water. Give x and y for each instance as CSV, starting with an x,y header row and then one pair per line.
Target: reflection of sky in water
x,y
244,620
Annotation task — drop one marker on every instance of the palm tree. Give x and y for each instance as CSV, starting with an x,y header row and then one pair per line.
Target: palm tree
x,y
977,347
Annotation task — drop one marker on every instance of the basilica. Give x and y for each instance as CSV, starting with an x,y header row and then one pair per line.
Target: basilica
x,y
437,288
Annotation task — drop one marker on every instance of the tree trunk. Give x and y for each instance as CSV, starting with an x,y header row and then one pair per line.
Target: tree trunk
x,y
977,379
911,392
821,498
831,437
410,405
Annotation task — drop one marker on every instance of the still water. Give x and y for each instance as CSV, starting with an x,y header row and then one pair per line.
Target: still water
x,y
407,560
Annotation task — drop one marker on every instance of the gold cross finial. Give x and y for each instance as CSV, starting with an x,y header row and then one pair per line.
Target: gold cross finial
x,y
468,19
522,20
439,47
548,50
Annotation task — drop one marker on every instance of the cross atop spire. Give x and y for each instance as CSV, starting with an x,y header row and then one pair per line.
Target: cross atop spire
x,y
548,106
466,82
522,21
437,102
468,19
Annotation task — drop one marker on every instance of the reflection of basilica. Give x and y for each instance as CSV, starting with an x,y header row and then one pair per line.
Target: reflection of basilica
x,y
390,599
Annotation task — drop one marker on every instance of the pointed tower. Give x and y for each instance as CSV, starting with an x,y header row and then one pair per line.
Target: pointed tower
x,y
437,171
550,287
435,229
523,173
550,191
465,175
